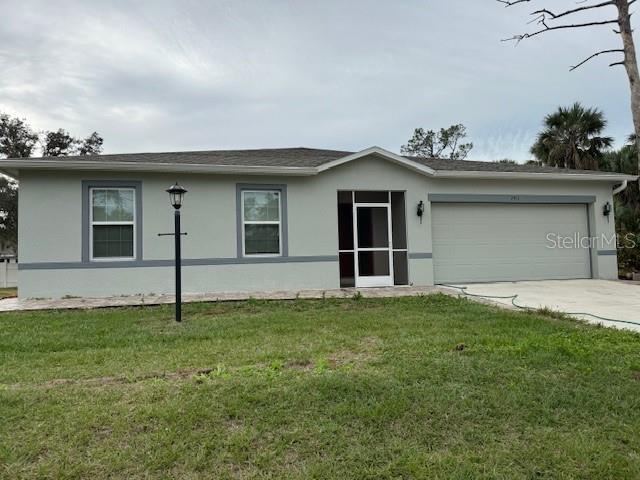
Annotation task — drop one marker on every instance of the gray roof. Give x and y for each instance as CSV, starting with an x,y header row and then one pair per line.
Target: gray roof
x,y
301,157
475,166
265,157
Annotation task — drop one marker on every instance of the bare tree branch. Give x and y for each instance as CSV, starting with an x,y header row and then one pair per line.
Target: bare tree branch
x,y
543,17
575,10
617,50
512,2
546,28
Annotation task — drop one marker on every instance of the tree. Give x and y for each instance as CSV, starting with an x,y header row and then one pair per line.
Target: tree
x,y
58,143
571,138
8,213
627,207
17,140
623,161
92,145
507,161
549,21
444,144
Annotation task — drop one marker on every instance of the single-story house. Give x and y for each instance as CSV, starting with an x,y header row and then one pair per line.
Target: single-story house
x,y
301,218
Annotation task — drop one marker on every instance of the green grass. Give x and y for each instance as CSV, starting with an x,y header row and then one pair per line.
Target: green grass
x,y
427,387
8,292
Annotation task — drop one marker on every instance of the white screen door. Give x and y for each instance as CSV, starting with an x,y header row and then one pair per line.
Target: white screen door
x,y
373,254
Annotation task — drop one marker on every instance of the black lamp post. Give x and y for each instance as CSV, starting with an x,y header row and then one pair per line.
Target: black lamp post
x,y
176,194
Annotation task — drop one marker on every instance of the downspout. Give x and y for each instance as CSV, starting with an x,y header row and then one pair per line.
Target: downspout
x,y
620,188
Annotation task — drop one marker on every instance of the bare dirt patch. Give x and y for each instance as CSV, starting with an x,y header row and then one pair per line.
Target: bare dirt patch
x,y
106,381
367,351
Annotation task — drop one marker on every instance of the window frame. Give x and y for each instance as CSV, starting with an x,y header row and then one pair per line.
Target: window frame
x,y
86,229
245,222
93,223
284,223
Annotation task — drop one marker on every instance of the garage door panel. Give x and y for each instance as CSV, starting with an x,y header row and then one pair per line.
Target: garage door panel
x,y
513,252
494,242
505,233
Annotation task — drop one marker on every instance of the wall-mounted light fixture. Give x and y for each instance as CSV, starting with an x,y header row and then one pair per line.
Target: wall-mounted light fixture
x,y
606,210
420,210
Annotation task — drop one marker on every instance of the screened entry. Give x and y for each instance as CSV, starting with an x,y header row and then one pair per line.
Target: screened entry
x,y
372,236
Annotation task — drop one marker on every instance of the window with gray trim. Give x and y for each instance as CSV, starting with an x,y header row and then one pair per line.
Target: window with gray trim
x,y
111,221
262,220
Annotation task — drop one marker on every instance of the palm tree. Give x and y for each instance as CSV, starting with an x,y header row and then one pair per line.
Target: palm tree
x,y
571,138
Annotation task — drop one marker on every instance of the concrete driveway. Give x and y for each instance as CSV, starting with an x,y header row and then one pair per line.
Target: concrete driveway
x,y
609,299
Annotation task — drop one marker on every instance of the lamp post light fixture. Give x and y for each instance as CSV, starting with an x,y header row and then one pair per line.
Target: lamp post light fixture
x,y
176,195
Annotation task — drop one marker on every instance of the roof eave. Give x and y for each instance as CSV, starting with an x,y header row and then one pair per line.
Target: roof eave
x,y
30,164
534,176
12,168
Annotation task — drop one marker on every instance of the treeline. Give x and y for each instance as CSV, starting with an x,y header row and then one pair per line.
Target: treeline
x,y
19,140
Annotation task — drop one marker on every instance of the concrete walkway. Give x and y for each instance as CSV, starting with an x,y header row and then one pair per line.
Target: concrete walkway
x,y
609,299
604,298
15,304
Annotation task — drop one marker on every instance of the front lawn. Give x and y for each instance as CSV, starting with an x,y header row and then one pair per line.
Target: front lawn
x,y
426,387
8,292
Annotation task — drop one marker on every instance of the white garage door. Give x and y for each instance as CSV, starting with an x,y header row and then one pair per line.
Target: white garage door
x,y
487,242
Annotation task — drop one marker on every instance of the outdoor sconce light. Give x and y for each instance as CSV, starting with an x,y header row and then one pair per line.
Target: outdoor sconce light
x,y
176,195
606,210
420,211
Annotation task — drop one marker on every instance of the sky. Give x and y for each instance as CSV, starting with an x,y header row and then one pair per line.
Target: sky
x,y
338,74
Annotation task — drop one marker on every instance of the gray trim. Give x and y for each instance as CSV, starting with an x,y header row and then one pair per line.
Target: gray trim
x,y
189,262
284,226
419,256
591,269
607,252
490,198
88,184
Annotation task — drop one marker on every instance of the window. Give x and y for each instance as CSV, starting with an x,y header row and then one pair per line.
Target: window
x,y
261,222
112,223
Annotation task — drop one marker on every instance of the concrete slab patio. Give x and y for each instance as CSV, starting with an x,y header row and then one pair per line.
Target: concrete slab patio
x,y
604,298
15,304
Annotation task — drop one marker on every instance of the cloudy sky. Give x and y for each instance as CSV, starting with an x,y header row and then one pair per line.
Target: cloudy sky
x,y
345,74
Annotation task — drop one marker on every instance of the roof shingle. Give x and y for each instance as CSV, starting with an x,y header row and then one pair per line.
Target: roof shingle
x,y
301,157
266,157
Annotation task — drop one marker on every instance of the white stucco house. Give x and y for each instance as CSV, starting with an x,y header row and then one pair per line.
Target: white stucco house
x,y
299,218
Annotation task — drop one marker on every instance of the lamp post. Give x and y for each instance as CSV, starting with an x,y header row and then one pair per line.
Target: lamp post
x,y
176,194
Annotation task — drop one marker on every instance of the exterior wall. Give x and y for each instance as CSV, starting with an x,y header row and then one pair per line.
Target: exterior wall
x,y
50,232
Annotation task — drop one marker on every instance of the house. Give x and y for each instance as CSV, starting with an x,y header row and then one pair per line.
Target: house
x,y
300,218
